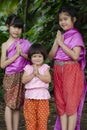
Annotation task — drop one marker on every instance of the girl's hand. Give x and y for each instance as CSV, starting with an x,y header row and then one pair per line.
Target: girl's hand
x,y
36,72
60,39
18,48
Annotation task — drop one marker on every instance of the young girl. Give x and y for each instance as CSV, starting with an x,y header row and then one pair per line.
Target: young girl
x,y
68,52
13,60
36,78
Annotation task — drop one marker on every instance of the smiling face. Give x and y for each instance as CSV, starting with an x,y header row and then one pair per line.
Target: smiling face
x,y
15,32
66,22
37,59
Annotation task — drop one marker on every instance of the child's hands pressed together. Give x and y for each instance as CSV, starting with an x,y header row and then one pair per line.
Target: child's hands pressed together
x,y
36,72
18,49
60,39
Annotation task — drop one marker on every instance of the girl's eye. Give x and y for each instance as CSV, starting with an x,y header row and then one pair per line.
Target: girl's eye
x,y
65,18
34,56
40,56
62,19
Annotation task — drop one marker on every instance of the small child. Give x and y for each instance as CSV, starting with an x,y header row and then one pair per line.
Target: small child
x,y
13,60
36,78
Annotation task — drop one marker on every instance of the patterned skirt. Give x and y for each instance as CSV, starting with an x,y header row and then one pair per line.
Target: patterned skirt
x,y
13,90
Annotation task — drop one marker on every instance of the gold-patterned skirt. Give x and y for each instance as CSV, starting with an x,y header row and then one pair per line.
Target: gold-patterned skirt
x,y
13,90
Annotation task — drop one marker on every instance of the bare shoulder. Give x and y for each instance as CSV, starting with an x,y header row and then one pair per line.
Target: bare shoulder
x,y
4,46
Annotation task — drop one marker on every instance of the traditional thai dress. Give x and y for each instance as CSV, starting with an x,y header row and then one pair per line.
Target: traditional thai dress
x,y
13,87
75,92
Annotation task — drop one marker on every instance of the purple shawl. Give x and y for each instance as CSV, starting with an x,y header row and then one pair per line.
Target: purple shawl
x,y
73,38
20,62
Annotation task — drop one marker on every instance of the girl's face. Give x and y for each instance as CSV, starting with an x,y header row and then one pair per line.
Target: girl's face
x,y
37,59
65,21
15,32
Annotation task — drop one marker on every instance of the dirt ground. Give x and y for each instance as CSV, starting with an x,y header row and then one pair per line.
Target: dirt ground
x,y
52,117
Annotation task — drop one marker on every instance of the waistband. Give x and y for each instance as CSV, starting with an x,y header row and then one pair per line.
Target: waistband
x,y
62,63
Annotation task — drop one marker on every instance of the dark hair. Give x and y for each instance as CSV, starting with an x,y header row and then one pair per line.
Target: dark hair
x,y
70,10
14,20
36,49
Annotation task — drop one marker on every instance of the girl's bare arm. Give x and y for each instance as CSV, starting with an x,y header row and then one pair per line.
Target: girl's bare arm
x,y
24,55
45,78
54,47
4,60
74,53
27,77
53,50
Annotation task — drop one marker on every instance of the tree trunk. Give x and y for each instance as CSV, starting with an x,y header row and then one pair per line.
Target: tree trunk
x,y
25,16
